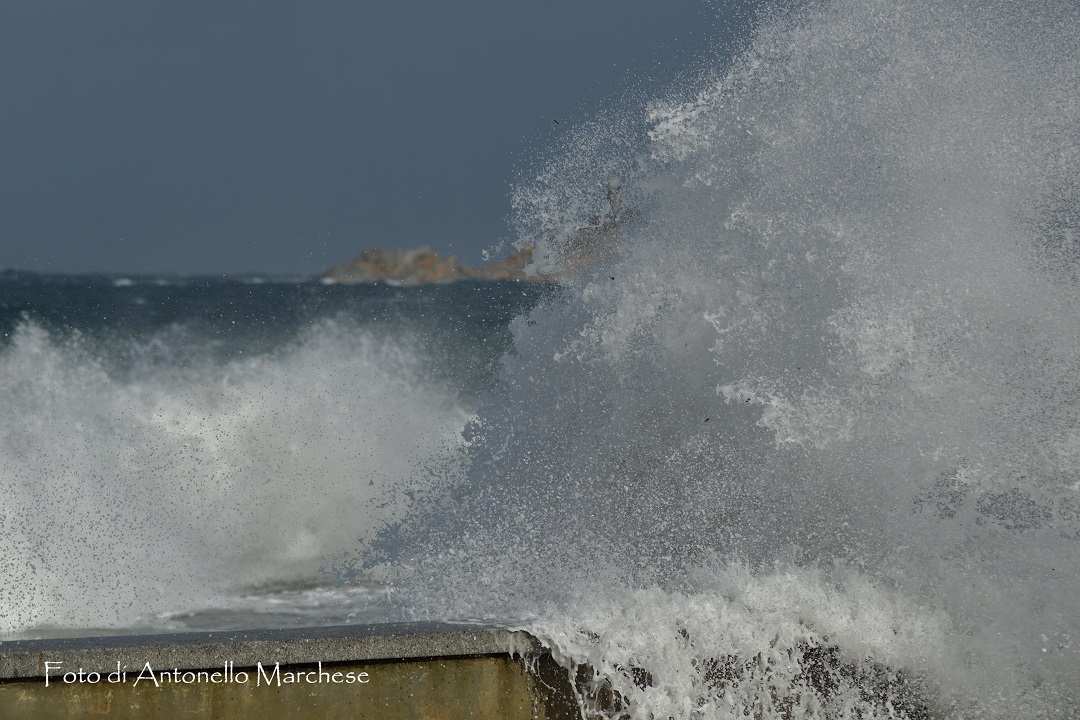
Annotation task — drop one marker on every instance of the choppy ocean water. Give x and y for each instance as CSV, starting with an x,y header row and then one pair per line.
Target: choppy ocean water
x,y
803,440
188,453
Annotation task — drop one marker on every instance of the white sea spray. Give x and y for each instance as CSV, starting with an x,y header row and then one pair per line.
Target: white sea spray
x,y
833,364
172,486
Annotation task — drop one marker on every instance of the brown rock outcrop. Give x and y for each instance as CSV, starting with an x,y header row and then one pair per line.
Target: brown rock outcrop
x,y
420,266
595,242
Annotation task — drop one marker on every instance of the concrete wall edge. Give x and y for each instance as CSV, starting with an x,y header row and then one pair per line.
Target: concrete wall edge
x,y
25,659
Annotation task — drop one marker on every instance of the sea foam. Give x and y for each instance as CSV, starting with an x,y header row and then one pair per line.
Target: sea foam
x,y
817,418
152,480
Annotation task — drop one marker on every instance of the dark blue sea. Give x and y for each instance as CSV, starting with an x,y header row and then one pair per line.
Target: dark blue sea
x,y
796,436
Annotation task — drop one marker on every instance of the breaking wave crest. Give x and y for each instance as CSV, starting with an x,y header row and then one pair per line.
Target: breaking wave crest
x,y
807,435
152,479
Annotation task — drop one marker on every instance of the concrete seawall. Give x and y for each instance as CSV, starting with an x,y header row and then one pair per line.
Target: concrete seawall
x,y
386,672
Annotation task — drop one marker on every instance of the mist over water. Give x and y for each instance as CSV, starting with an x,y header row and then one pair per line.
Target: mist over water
x,y
802,441
189,445
825,395
160,492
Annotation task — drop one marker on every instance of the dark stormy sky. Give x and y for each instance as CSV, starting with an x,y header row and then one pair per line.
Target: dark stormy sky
x,y
216,136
